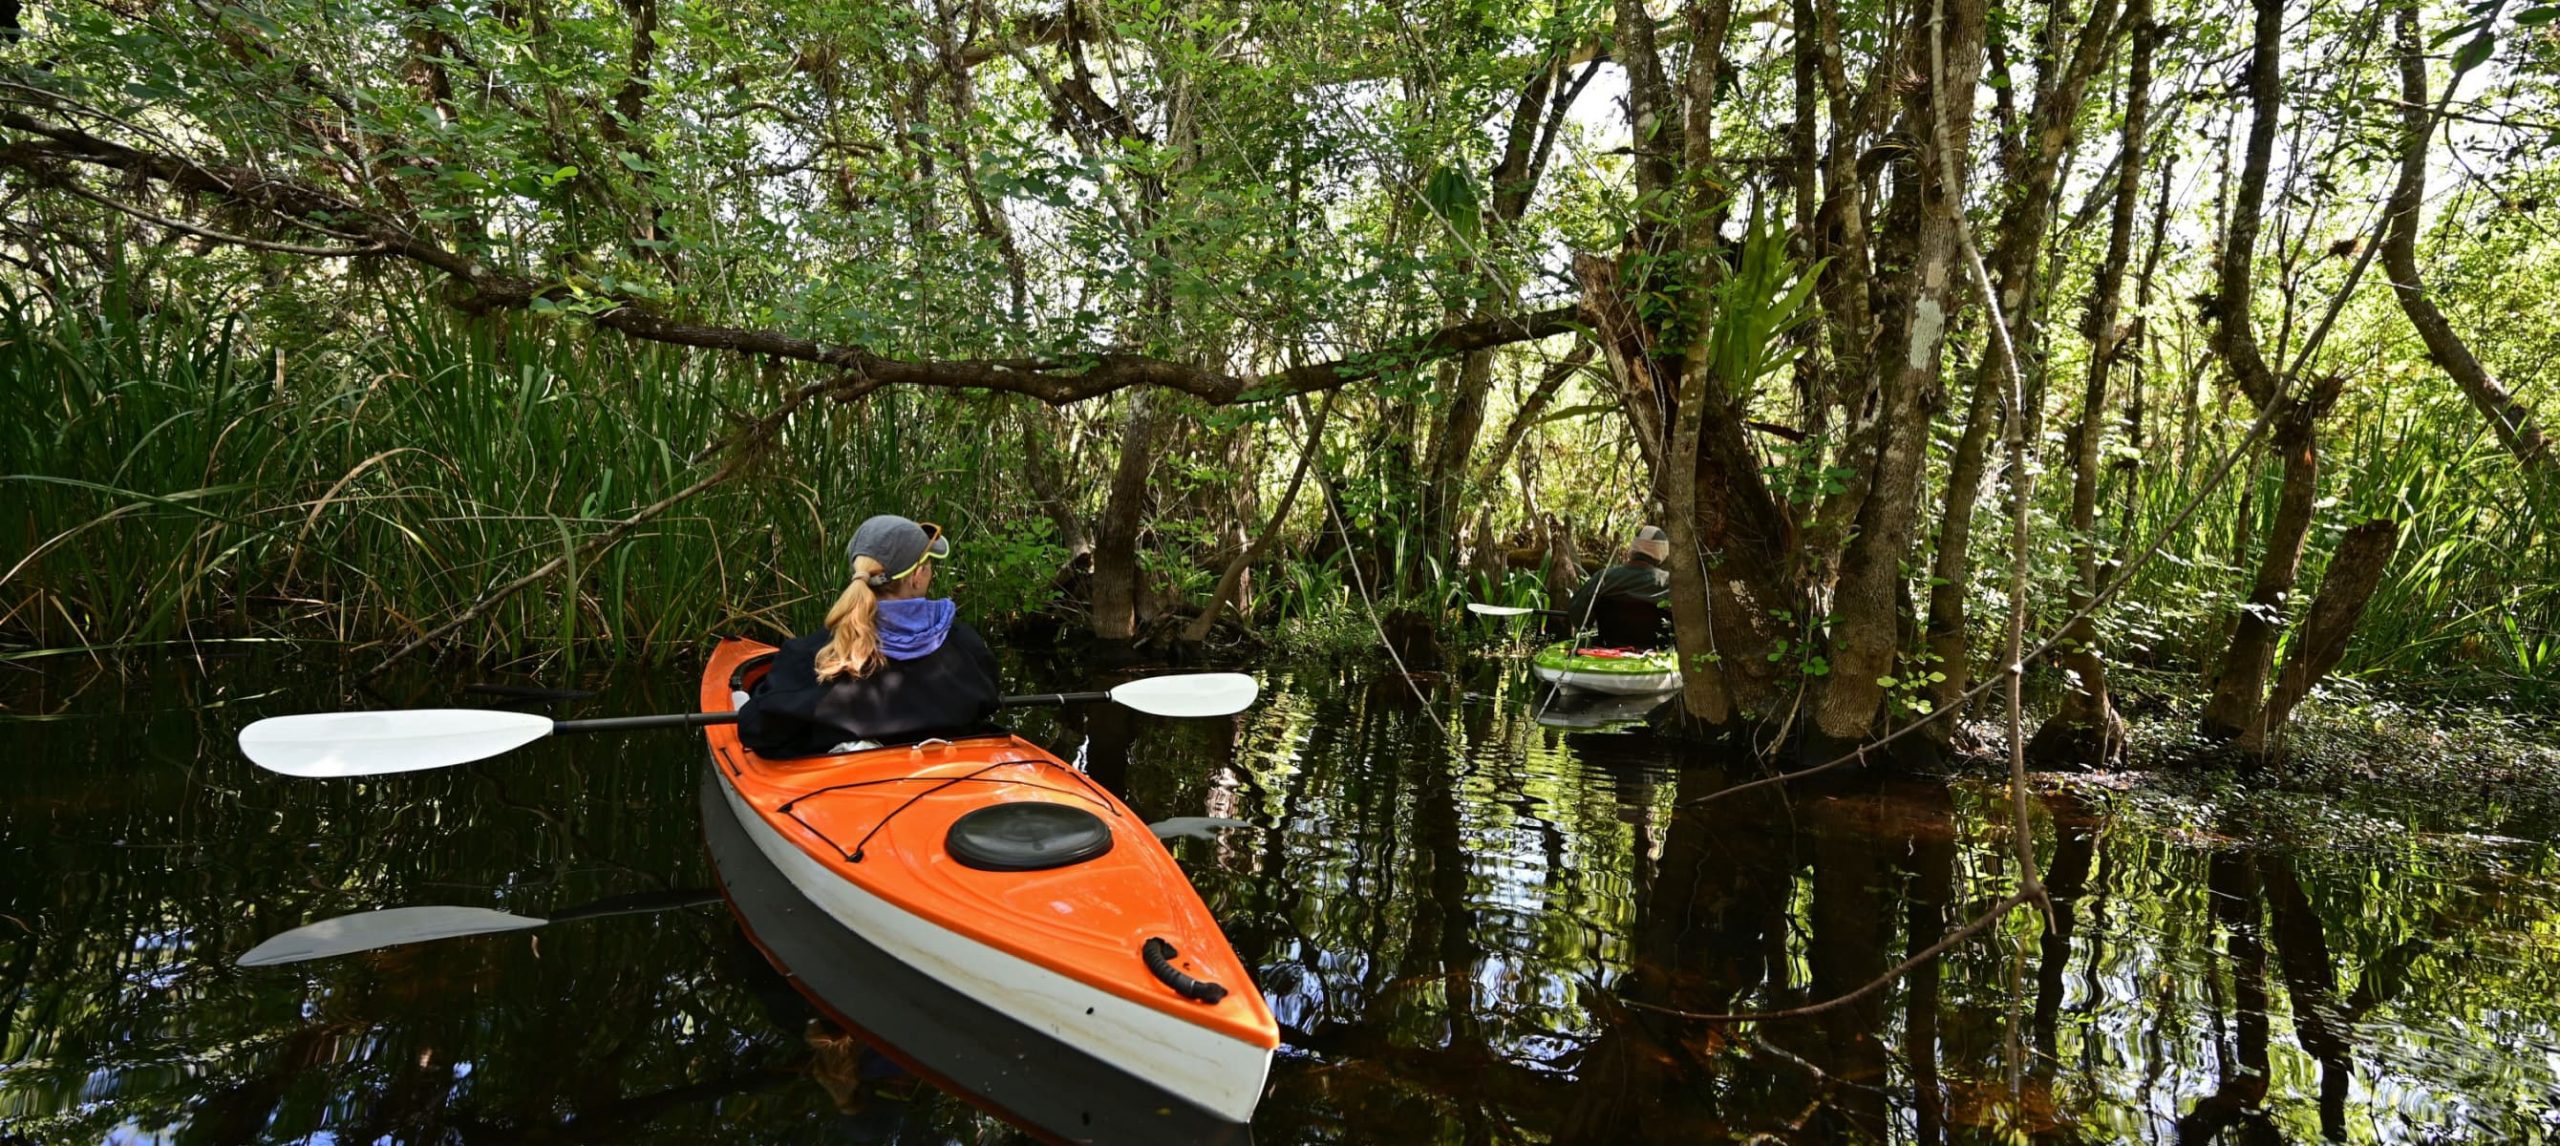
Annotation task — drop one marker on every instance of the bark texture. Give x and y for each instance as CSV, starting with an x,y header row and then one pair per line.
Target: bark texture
x,y
2031,167
2355,571
2237,708
2236,711
1116,577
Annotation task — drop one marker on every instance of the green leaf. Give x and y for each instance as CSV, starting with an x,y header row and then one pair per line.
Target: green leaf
x,y
2474,53
2453,33
1451,195
2538,15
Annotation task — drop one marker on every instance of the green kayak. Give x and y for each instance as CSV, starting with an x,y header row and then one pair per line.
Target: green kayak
x,y
1626,672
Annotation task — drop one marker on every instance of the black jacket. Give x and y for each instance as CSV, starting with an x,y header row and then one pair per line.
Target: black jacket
x,y
1625,602
946,692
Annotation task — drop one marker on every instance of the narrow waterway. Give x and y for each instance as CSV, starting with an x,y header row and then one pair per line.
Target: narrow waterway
x,y
1467,916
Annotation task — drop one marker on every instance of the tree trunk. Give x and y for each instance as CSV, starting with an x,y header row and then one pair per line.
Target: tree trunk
x,y
1718,510
1950,646
1049,485
2235,333
1115,547
2032,170
2355,570
2086,729
1444,477
1864,625
1513,182
2508,416
2238,707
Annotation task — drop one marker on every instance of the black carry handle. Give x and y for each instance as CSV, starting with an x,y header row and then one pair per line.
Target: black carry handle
x,y
1160,956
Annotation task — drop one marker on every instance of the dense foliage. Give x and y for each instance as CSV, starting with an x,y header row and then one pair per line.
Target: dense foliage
x,y
528,328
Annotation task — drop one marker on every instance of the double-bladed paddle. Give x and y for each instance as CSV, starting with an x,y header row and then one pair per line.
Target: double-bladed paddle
x,y
330,745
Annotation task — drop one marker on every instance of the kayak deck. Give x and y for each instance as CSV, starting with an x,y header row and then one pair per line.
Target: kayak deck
x,y
867,837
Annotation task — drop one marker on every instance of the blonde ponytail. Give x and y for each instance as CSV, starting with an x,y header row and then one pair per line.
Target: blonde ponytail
x,y
855,651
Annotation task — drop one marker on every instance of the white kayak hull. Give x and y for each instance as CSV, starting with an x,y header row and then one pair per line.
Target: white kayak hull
x,y
1613,683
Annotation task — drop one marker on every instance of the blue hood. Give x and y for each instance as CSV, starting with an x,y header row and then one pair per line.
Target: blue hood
x,y
911,627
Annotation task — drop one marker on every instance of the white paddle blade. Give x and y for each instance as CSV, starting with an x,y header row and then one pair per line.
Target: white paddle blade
x,y
365,931
1497,610
329,745
1190,694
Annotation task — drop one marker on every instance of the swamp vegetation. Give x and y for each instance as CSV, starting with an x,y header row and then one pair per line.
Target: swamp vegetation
x,y
516,332
2190,355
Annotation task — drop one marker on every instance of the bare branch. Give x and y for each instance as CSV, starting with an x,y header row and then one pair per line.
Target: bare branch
x,y
217,236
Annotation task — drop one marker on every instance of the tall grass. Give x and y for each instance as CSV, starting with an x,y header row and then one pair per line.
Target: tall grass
x,y
165,483
2472,599
2476,584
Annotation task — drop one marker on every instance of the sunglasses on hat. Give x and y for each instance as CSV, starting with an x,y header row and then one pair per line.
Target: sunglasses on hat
x,y
932,537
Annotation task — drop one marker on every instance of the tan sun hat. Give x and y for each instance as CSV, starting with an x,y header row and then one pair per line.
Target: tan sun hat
x,y
1653,542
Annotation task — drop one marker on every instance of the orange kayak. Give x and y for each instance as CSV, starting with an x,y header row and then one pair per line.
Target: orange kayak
x,y
1007,876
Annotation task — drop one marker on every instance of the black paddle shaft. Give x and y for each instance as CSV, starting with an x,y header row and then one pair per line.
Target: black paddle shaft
x,y
706,719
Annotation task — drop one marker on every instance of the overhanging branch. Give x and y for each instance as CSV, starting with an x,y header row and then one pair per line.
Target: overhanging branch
x,y
51,154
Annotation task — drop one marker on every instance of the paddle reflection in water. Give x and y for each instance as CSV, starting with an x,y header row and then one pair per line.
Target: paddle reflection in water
x,y
1456,931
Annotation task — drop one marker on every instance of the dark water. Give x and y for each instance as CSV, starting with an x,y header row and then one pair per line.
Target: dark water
x,y
1454,927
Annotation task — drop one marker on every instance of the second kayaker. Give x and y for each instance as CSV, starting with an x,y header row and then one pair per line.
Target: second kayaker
x,y
1625,602
892,665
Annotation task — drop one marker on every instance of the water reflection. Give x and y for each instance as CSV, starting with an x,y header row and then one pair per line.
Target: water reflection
x,y
1462,930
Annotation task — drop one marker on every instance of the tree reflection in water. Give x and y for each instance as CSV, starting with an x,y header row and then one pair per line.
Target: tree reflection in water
x,y
1460,929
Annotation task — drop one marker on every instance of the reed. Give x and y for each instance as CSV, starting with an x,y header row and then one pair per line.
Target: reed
x,y
2472,601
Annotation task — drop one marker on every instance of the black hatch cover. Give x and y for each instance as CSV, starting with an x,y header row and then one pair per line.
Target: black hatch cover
x,y
1027,835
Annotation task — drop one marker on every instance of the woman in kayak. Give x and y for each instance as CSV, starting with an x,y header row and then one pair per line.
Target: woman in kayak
x,y
892,665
